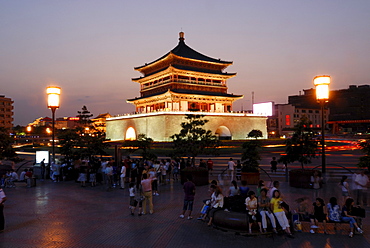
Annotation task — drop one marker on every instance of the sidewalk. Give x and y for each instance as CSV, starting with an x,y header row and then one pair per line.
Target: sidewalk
x,y
66,215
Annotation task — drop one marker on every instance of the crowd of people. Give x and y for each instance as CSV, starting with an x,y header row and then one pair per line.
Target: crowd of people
x,y
267,206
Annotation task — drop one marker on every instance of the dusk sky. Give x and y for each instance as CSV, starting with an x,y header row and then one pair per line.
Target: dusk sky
x,y
90,48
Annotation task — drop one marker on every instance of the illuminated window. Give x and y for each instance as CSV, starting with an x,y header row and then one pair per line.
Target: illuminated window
x,y
287,120
130,134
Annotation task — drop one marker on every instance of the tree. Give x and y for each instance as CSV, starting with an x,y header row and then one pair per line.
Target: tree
x,y
144,144
193,139
84,116
255,134
302,146
68,139
251,155
365,148
6,149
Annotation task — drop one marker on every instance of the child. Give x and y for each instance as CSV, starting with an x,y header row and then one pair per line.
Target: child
x,y
82,177
131,190
92,179
135,198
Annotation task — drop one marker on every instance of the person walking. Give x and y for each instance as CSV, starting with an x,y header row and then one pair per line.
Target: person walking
x,y
189,192
146,184
2,200
230,168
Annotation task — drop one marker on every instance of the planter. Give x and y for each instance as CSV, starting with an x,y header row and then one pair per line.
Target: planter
x,y
252,178
300,178
200,177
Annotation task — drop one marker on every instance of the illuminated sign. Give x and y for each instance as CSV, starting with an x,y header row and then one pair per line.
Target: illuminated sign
x,y
264,109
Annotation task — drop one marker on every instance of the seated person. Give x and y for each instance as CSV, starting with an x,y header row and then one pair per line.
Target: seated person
x,y
217,203
21,177
348,217
303,209
243,190
333,208
319,215
251,204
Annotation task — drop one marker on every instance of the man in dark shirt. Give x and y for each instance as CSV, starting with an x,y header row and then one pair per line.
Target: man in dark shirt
x,y
189,190
273,164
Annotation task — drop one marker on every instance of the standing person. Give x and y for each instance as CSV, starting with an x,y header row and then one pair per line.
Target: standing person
x,y
189,193
264,209
123,176
261,185
146,184
316,181
175,171
2,200
273,164
344,187
210,166
279,213
42,165
238,170
202,164
276,185
230,169
361,182
82,177
92,177
135,198
109,176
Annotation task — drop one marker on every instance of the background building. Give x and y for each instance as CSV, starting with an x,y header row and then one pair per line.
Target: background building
x,y
6,112
347,112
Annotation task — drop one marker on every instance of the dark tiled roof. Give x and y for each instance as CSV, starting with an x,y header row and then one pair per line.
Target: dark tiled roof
x,y
185,51
189,92
189,69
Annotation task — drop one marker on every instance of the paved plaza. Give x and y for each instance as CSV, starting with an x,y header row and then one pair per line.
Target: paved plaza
x,y
66,215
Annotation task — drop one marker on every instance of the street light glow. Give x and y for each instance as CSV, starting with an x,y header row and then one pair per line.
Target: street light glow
x,y
322,87
53,93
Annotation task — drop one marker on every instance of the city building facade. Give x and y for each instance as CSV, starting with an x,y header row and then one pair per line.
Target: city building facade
x,y
6,112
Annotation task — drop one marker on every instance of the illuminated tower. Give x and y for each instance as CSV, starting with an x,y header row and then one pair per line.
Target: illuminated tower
x,y
184,80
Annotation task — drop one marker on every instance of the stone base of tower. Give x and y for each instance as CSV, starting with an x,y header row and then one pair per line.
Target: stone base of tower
x,y
161,125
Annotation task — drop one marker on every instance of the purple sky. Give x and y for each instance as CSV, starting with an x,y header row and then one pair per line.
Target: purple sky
x,y
89,48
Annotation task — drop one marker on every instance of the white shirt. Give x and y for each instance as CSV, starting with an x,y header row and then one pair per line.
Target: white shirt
x,y
362,181
231,165
123,171
2,194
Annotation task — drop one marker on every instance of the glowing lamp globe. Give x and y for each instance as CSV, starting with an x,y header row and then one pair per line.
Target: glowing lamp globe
x,y
53,93
322,87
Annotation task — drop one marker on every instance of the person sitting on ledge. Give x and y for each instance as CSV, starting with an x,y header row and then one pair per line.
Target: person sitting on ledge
x,y
217,202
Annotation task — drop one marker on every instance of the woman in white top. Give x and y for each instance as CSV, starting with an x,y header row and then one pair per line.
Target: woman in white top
x,y
217,202
234,190
345,188
251,204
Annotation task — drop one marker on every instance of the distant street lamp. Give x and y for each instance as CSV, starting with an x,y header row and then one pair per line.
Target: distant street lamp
x,y
53,93
322,96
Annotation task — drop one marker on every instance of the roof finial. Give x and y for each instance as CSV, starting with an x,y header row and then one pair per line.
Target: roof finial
x,y
181,34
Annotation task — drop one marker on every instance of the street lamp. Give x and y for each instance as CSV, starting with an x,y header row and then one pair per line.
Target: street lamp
x,y
322,96
53,93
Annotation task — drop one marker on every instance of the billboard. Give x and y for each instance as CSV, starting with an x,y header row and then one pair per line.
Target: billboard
x,y
263,109
40,155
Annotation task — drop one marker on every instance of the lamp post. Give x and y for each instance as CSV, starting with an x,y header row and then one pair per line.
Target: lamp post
x,y
322,96
53,93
